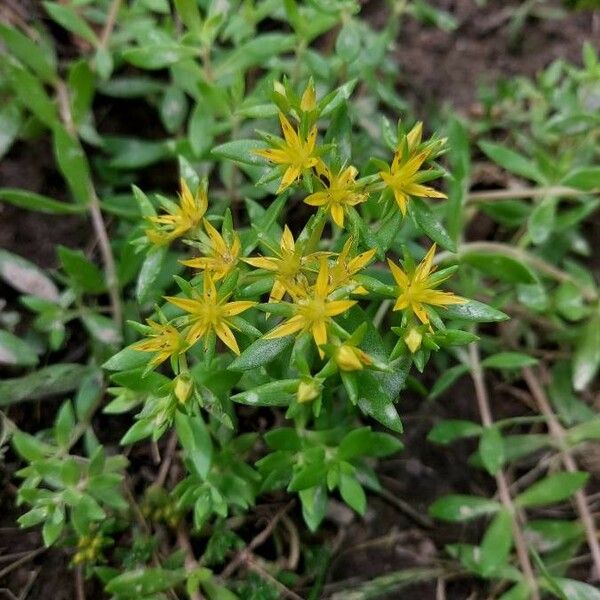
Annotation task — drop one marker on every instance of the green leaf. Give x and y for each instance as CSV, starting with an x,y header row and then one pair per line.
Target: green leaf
x,y
509,360
259,353
427,221
475,311
241,151
144,582
29,53
102,328
49,381
499,266
589,430
31,94
66,17
10,124
569,301
173,108
586,179
158,55
458,508
26,277
189,14
496,544
73,164
86,276
15,351
314,506
587,354
138,431
512,161
274,393
577,590
82,87
255,52
374,401
364,442
37,202
309,476
52,529
552,489
491,450
29,447
200,130
353,493
347,44
64,424
520,591
149,272
195,440
447,431
126,359
133,153
541,221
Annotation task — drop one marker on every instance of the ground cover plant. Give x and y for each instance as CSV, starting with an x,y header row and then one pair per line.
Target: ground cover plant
x,y
292,301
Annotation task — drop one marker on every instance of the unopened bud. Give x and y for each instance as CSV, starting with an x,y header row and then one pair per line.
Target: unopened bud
x,y
309,98
308,390
183,387
349,358
279,88
413,339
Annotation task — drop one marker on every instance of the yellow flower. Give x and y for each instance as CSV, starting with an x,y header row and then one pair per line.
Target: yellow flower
x,y
293,152
405,176
344,269
287,264
339,193
221,259
417,289
208,313
165,340
179,218
351,358
313,310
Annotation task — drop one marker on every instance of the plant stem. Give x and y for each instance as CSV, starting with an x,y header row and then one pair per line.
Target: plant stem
x,y
191,564
110,270
523,192
109,25
557,431
487,420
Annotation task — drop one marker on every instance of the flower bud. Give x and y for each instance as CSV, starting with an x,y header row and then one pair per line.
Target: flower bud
x,y
350,358
183,387
308,390
279,88
413,339
309,98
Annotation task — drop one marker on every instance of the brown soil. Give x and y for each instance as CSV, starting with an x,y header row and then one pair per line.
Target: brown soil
x,y
434,68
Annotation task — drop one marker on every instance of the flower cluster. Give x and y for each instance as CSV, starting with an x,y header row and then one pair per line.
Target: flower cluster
x,y
310,285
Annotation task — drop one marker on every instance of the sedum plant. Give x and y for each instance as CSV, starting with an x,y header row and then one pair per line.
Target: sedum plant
x,y
259,332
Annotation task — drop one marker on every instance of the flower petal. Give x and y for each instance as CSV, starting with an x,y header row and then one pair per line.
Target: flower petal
x,y
399,275
235,308
337,307
226,336
296,323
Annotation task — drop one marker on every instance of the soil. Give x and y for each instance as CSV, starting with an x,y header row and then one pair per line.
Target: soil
x,y
434,68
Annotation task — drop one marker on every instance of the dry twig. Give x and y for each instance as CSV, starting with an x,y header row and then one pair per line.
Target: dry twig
x,y
558,433
483,402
